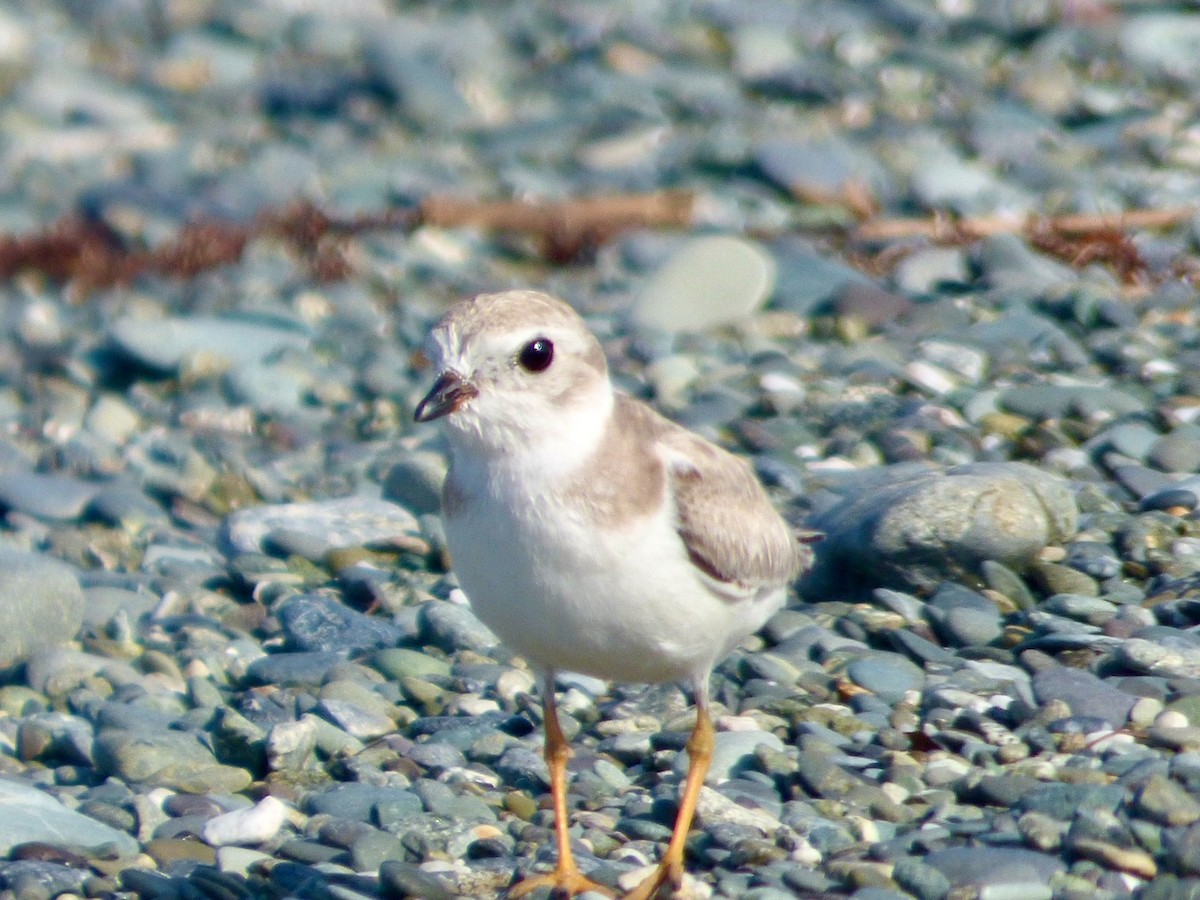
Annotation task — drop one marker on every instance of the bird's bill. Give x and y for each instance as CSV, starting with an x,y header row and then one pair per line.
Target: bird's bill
x,y
448,394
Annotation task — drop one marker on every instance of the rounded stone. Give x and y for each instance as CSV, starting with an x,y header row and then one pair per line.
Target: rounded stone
x,y
330,524
710,281
914,526
41,605
165,344
887,675
30,815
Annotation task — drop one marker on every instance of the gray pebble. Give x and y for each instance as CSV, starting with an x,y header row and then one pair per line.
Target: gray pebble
x,y
809,279
102,603
399,879
332,524
1008,264
374,848
733,751
993,867
57,498
1165,801
1084,693
1162,43
166,759
415,483
436,755
358,802
301,669
364,724
919,879
455,627
887,675
1141,655
964,617
41,605
822,167
316,623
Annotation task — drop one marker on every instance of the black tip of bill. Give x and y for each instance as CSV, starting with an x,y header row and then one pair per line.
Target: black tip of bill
x,y
448,394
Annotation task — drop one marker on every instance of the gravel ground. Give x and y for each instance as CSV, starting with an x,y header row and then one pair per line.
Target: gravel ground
x,y
235,662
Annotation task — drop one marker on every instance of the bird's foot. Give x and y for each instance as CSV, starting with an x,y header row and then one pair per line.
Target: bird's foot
x,y
563,882
668,874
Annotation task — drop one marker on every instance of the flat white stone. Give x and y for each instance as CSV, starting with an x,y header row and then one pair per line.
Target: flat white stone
x,y
710,281
255,825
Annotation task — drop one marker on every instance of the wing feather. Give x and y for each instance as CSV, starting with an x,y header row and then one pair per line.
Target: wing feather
x,y
730,529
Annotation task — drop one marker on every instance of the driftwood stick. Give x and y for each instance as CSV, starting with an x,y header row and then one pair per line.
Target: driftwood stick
x,y
940,227
564,226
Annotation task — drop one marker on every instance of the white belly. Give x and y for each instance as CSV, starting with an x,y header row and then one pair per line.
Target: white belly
x,y
626,606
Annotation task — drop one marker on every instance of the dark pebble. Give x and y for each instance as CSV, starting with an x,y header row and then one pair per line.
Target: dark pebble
x,y
293,669
356,801
400,880
320,624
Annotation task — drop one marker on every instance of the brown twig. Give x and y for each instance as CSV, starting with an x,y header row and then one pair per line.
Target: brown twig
x,y
1109,246
565,227
90,256
1078,239
941,227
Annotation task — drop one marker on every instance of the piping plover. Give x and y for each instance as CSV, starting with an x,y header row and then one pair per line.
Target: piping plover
x,y
590,533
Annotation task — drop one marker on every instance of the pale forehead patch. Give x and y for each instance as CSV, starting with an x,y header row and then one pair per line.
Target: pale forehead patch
x,y
504,313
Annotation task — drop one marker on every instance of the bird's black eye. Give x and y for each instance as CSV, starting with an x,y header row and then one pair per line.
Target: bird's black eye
x,y
537,355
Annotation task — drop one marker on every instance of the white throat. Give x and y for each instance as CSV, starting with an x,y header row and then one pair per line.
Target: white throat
x,y
549,442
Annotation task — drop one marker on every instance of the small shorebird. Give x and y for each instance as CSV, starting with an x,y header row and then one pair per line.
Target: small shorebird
x,y
593,535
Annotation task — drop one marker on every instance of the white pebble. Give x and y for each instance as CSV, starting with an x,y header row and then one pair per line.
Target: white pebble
x,y
1171,718
473,705
159,796
1145,710
1155,368
573,701
944,771
804,853
929,378
866,830
691,889
255,825
239,859
512,682
966,361
737,723
778,383
1100,741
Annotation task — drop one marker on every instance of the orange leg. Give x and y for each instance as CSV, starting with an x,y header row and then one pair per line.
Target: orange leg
x,y
700,751
566,880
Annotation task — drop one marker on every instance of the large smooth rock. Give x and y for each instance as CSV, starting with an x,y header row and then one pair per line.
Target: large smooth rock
x,y
28,815
1011,868
165,344
1084,693
171,759
326,524
56,498
913,526
41,605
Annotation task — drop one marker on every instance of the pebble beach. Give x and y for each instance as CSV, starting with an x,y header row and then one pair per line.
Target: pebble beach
x,y
930,266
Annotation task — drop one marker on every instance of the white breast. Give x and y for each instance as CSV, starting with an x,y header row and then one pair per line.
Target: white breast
x,y
622,604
